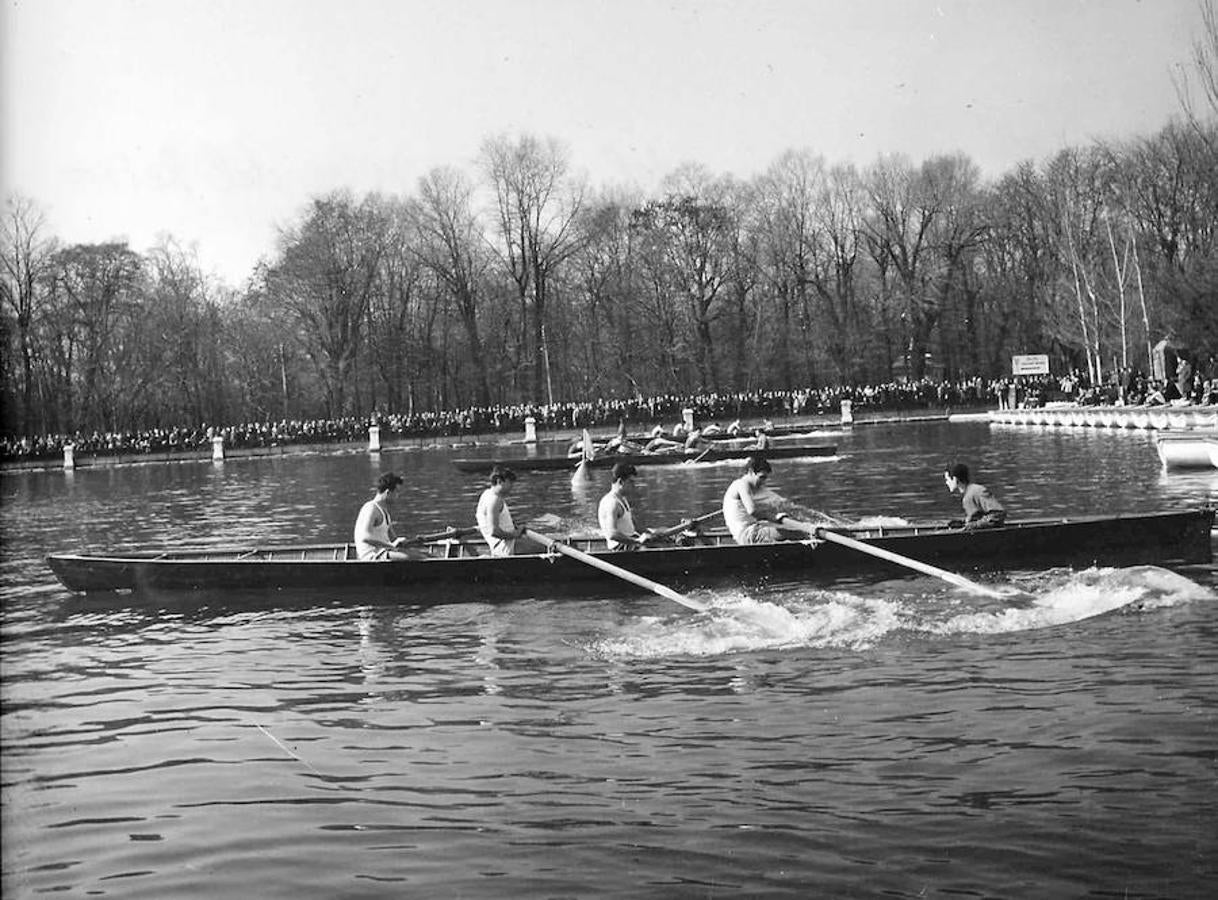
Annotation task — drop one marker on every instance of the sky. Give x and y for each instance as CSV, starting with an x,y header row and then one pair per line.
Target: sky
x,y
215,122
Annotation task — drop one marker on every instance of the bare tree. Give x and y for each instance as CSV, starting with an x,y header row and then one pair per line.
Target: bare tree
x,y
25,259
97,291
688,237
452,245
536,205
186,335
326,272
1205,64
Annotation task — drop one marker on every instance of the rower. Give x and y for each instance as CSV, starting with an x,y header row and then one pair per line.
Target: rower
x,y
696,442
374,534
615,515
981,510
493,516
752,511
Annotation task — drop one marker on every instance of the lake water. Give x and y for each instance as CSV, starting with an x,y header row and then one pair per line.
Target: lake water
x,y
898,739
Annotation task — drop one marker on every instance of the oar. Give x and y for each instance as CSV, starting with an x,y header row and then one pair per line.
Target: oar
x,y
916,565
676,529
448,534
598,563
837,521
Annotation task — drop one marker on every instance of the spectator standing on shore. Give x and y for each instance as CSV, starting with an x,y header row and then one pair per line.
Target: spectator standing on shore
x,y
1184,378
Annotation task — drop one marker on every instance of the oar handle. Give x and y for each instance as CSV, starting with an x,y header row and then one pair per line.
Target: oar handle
x,y
916,565
447,534
626,575
705,517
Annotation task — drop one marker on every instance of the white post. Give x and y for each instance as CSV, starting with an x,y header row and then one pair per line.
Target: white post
x,y
69,457
847,412
217,448
687,415
374,439
530,430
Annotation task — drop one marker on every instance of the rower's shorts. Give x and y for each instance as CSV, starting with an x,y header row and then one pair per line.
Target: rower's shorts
x,y
759,533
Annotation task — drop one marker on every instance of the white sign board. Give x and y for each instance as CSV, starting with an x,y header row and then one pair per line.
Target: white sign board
x,y
1030,364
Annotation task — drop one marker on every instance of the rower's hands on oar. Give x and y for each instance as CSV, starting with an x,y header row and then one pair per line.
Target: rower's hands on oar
x,y
790,523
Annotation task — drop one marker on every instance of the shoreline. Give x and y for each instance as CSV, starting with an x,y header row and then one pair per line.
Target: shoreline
x,y
420,444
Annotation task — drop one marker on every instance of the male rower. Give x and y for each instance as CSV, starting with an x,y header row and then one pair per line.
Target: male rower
x,y
615,515
493,516
981,510
374,534
753,512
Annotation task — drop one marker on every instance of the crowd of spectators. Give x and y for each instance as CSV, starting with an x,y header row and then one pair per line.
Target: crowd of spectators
x,y
1129,388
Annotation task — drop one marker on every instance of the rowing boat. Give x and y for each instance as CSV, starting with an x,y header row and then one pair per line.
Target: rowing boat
x,y
792,430
714,454
1181,537
1188,450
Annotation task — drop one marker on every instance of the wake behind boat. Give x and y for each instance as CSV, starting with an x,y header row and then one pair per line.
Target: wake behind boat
x,y
1181,537
608,460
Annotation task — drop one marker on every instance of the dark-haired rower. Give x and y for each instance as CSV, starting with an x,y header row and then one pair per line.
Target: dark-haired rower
x,y
981,510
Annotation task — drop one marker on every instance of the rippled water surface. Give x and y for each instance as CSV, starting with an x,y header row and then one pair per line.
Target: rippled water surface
x,y
899,738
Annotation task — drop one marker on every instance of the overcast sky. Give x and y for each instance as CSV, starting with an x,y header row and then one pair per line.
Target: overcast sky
x,y
216,121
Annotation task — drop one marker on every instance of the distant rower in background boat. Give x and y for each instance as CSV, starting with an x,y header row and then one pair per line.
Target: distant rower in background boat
x,y
695,442
981,510
493,516
753,512
374,534
615,514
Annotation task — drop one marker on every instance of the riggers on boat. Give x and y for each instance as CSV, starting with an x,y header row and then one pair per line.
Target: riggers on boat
x,y
676,457
1181,537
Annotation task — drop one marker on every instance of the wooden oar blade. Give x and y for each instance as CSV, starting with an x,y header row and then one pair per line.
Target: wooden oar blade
x,y
909,563
604,565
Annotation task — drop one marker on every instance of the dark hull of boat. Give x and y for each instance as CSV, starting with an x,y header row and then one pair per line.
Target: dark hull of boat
x,y
717,454
1160,538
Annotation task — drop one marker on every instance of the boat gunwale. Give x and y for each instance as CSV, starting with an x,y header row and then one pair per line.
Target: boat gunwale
x,y
247,556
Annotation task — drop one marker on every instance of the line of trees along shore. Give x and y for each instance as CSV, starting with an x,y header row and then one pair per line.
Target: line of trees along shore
x,y
517,281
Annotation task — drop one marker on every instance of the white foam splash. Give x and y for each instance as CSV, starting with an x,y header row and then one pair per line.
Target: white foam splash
x,y
738,622
1082,595
883,522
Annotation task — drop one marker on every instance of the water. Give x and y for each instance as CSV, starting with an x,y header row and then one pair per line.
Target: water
x,y
899,739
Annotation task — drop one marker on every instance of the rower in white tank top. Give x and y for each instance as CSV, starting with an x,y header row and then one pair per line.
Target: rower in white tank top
x,y
493,516
374,535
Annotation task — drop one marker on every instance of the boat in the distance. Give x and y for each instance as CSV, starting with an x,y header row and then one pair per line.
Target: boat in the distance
x,y
1164,538
1188,449
661,458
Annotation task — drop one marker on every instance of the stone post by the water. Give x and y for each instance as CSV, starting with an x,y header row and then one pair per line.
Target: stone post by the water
x,y
374,439
69,456
217,448
847,412
687,415
530,430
